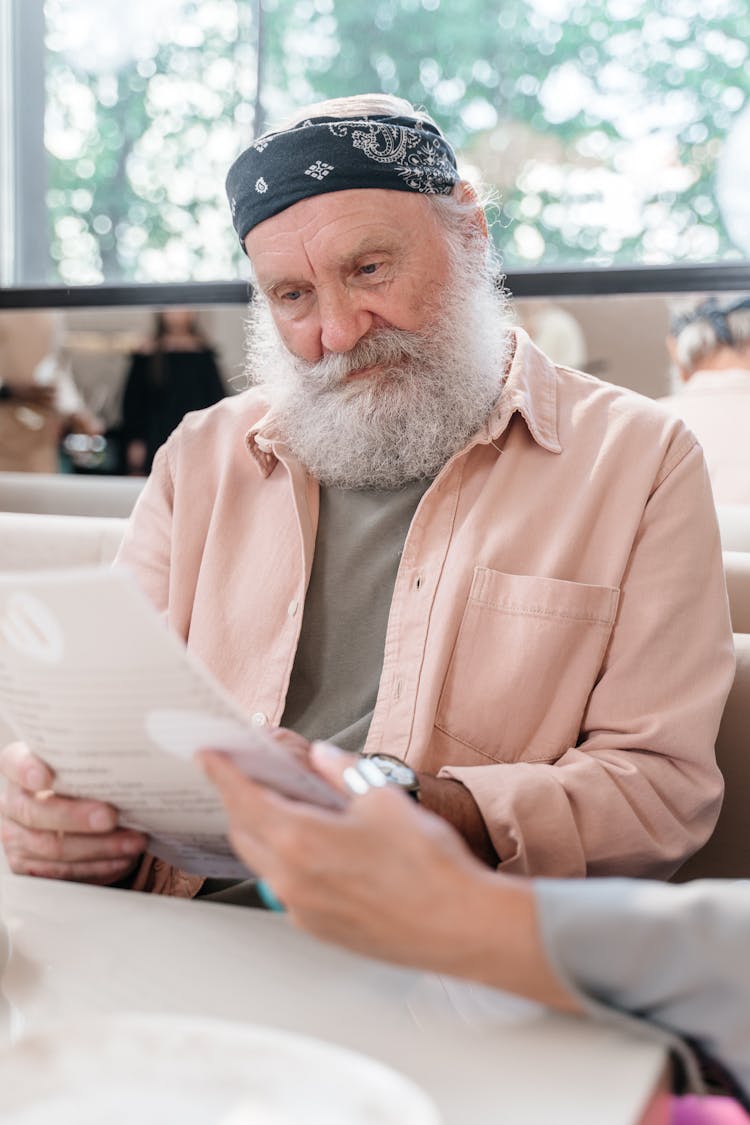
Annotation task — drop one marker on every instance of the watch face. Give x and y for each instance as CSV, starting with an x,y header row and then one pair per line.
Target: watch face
x,y
397,772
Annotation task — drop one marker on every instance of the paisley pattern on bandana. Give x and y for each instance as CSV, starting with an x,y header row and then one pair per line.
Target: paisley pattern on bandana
x,y
326,154
416,156
386,143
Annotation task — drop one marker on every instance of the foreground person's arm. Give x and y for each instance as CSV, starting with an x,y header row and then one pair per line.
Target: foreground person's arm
x,y
388,879
675,955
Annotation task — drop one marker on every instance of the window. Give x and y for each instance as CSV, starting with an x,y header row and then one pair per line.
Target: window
x,y
616,132
121,165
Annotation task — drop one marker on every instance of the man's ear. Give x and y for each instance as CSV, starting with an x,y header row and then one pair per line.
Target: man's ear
x,y
465,193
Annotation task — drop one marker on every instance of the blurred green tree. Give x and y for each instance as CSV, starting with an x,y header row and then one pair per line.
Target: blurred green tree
x,y
603,124
140,133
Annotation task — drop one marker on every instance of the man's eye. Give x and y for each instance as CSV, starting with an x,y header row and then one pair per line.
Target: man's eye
x,y
370,268
291,295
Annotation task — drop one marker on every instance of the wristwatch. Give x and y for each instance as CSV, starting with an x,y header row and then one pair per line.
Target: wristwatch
x,y
396,772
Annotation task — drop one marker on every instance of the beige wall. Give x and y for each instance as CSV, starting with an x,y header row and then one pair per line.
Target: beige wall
x,y
624,337
623,343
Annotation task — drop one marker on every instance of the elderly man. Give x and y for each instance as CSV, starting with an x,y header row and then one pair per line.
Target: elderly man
x,y
418,538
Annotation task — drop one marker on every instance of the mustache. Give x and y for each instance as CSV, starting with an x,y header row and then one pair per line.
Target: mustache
x,y
384,347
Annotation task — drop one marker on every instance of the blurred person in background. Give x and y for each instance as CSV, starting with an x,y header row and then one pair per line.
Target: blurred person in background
x,y
39,402
172,374
710,347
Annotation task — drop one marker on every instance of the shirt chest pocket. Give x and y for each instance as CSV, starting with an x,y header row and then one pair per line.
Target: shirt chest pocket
x,y
527,655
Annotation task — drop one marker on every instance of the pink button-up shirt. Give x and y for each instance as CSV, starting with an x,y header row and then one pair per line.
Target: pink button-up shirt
x,y
559,636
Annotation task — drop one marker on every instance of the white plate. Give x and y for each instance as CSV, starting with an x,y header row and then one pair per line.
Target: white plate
x,y
164,1070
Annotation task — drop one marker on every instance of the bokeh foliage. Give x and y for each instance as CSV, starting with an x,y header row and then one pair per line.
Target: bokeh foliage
x,y
602,124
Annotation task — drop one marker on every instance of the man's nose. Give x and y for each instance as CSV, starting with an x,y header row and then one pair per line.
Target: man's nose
x,y
343,322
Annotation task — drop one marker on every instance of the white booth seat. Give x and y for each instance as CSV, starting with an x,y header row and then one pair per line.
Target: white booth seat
x,y
734,525
40,542
69,494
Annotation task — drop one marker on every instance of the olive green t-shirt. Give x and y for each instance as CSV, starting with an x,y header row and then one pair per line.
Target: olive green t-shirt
x,y
336,673
334,682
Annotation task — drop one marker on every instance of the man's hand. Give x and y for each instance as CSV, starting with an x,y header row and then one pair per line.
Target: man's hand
x,y
60,837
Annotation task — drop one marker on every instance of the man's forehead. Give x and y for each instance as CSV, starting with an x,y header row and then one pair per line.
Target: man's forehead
x,y
339,221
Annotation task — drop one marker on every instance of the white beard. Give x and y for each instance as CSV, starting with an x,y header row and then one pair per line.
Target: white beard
x,y
436,388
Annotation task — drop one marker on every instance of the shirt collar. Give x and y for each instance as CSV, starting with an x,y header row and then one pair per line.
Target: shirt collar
x,y
530,389
260,447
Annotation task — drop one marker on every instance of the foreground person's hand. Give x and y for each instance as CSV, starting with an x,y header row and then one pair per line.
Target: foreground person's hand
x,y
369,877
388,878
60,837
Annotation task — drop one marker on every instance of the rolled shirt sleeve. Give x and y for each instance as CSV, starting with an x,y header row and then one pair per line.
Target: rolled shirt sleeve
x,y
641,789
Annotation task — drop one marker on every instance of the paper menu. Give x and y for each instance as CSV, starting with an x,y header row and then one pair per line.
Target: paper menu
x,y
100,689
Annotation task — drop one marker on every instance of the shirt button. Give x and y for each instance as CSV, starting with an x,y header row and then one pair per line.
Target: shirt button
x,y
259,719
292,607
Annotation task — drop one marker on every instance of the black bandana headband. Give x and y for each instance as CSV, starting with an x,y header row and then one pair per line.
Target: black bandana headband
x,y
324,154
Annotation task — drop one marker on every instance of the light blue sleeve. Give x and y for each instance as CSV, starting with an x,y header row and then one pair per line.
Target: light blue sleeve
x,y
675,957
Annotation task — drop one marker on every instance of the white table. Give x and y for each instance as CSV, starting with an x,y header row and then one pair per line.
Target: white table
x,y
483,1057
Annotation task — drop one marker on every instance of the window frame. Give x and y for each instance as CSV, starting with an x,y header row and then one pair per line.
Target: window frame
x,y
522,284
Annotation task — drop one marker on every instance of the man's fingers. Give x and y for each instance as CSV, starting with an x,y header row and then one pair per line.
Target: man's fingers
x,y
51,813
298,745
23,768
59,837
22,844
100,871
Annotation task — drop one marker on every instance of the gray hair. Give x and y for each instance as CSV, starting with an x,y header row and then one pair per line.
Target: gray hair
x,y
697,327
359,105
